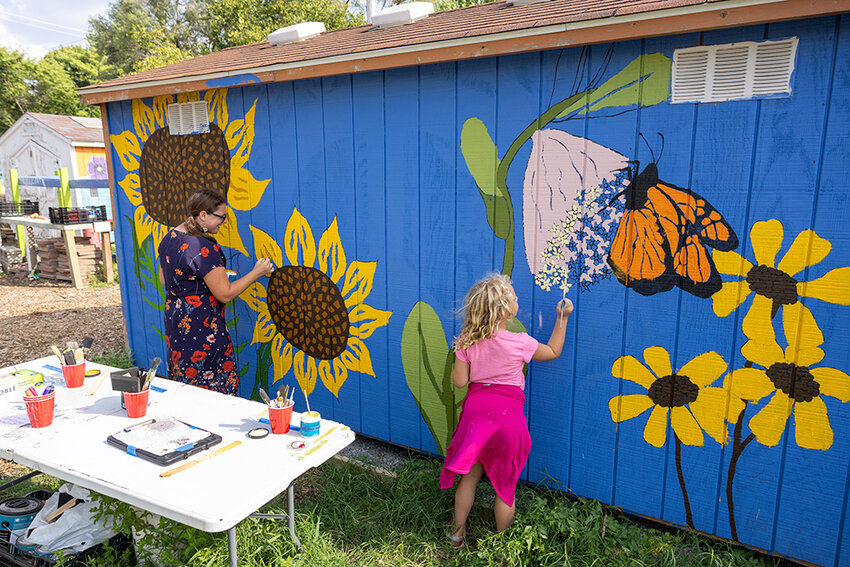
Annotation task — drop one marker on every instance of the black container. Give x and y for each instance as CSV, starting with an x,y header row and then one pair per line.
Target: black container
x,y
127,380
75,215
22,209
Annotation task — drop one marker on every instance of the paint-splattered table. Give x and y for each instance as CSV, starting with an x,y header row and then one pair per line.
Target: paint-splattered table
x,y
213,496
67,230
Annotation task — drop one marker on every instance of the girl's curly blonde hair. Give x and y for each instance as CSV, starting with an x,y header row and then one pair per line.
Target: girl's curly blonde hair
x,y
487,304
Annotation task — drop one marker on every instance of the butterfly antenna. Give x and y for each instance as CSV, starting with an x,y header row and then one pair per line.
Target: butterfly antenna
x,y
661,153
642,137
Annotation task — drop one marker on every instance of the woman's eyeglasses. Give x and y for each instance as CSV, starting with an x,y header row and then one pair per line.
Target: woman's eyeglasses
x,y
222,217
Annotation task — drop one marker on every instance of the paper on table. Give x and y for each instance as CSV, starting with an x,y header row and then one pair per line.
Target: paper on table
x,y
160,436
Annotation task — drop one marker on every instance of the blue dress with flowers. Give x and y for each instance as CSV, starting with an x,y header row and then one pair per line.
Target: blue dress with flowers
x,y
200,351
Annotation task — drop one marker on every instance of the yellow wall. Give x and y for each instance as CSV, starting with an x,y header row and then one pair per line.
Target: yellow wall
x,y
84,155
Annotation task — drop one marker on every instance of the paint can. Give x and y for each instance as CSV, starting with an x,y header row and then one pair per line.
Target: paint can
x,y
18,512
310,423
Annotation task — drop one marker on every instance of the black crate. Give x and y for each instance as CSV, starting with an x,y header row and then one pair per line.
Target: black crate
x,y
75,215
22,209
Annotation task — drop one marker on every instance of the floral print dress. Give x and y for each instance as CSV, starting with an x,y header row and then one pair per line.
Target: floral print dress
x,y
200,351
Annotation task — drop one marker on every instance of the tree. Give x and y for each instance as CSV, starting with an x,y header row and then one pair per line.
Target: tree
x,y
238,22
15,70
160,51
83,65
443,5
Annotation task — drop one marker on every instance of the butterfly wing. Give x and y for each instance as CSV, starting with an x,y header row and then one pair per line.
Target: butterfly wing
x,y
640,254
692,226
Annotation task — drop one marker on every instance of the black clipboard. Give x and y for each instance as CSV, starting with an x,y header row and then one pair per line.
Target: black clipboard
x,y
163,440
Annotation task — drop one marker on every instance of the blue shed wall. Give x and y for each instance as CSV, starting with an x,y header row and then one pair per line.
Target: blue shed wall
x,y
378,156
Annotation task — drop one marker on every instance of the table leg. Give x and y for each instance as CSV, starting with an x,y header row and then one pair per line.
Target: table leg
x,y
231,547
73,261
290,501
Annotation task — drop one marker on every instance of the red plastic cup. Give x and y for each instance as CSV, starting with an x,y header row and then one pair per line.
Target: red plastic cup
x,y
279,419
136,403
40,409
74,374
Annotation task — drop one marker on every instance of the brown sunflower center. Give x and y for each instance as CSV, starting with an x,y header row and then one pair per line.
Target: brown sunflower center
x,y
772,283
795,381
308,310
673,391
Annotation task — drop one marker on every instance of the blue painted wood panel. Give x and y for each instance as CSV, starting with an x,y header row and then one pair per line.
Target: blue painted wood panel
x,y
381,157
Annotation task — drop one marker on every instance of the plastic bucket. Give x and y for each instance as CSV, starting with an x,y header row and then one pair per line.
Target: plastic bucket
x,y
74,374
279,418
136,403
40,409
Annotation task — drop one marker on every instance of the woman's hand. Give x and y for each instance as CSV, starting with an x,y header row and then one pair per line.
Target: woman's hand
x,y
263,267
564,308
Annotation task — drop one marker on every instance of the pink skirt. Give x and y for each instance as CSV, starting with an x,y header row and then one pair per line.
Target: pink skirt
x,y
492,430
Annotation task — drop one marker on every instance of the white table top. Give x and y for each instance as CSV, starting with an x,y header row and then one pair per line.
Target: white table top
x,y
213,495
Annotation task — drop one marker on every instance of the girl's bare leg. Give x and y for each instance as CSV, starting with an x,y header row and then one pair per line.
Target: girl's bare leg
x,y
504,514
465,496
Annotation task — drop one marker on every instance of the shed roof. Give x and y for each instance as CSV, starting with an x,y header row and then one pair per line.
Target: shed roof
x,y
483,30
78,129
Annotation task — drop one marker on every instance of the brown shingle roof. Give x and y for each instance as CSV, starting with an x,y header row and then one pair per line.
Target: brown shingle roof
x,y
480,21
78,129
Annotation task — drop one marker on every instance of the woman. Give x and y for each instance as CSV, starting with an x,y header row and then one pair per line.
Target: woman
x,y
192,271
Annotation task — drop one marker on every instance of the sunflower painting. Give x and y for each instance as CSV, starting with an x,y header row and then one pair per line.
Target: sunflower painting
x,y
161,169
313,314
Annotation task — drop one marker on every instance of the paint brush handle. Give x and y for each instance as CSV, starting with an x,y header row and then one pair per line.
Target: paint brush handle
x,y
58,354
151,373
265,397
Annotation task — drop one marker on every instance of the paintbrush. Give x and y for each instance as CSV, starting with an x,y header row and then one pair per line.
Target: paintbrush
x,y
308,402
58,354
149,377
265,397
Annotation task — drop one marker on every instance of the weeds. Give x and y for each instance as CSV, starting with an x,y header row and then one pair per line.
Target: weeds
x,y
120,358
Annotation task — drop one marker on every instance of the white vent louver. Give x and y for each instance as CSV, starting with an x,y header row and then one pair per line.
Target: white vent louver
x,y
731,71
296,32
403,14
188,118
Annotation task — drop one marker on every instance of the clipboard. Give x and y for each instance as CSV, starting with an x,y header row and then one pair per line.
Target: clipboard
x,y
163,440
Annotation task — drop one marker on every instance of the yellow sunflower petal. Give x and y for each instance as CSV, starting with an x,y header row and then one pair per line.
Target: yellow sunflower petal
x,y
127,147
333,379
686,427
298,241
365,320
264,328
710,410
731,263
281,356
245,192
768,424
254,295
807,250
630,368
144,120
658,361
240,138
766,237
356,357
803,335
763,354
629,406
189,97
834,287
704,369
833,382
811,425
655,432
748,384
217,105
331,253
158,232
358,282
142,223
131,184
757,323
305,371
730,297
266,247
228,234
160,109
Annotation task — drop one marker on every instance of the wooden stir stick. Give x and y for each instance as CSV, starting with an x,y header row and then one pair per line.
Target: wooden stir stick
x,y
192,463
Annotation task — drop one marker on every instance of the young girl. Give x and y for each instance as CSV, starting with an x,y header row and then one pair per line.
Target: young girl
x,y
492,434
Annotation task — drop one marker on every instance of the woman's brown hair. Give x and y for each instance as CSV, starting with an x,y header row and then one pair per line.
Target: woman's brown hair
x,y
201,200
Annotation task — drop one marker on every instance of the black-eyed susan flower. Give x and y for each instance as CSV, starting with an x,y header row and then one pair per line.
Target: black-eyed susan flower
x,y
314,310
790,378
684,395
776,285
161,169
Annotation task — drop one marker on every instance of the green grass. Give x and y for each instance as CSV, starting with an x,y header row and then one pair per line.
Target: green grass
x,y
122,358
349,516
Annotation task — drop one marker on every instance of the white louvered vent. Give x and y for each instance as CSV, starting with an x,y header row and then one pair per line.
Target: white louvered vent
x,y
733,71
188,118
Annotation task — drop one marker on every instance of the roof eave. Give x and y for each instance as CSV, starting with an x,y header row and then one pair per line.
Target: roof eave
x,y
686,19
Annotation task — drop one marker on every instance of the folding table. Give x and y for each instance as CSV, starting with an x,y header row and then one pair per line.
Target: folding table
x,y
213,496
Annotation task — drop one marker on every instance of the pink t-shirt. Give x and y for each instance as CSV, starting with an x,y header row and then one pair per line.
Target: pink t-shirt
x,y
499,359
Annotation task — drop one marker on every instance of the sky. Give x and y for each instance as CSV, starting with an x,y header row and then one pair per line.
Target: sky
x,y
38,26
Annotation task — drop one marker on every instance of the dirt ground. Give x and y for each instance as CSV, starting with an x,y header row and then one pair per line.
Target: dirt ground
x,y
35,315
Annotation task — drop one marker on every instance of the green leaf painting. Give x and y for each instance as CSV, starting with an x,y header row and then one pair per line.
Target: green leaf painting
x,y
428,364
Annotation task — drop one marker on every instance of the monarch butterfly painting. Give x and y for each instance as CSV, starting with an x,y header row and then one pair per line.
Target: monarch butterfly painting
x,y
663,238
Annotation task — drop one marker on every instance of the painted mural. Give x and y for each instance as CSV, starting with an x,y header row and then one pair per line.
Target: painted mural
x,y
704,377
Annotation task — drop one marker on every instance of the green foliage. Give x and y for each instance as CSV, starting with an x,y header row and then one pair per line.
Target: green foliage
x,y
122,358
84,66
161,51
443,5
238,22
15,71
